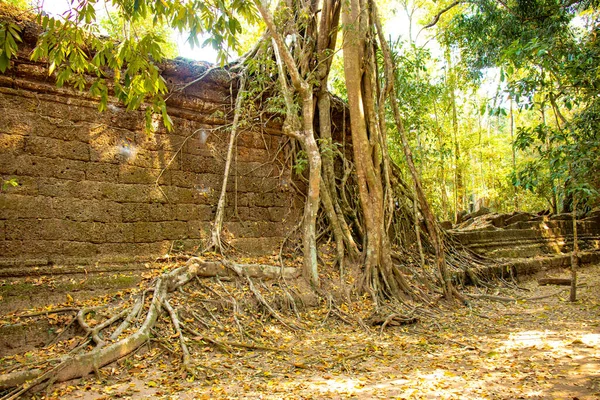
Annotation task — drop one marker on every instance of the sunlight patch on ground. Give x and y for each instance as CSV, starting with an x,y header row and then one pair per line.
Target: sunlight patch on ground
x,y
591,339
437,384
549,340
532,339
340,385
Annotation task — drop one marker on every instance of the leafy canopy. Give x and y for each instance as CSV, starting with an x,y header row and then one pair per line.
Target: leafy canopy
x,y
127,63
549,55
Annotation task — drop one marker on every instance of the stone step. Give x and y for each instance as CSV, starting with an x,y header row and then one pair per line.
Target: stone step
x,y
507,268
533,248
35,292
506,235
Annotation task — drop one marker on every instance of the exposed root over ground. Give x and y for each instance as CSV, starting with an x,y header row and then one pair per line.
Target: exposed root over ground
x,y
237,348
113,331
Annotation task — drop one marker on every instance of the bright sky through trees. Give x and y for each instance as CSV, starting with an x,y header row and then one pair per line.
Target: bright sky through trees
x,y
57,7
396,26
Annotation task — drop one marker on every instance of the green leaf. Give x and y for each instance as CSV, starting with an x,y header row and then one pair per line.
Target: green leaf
x,y
166,118
4,62
9,183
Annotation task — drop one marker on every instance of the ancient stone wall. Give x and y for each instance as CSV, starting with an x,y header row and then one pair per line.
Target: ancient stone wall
x,y
94,187
525,235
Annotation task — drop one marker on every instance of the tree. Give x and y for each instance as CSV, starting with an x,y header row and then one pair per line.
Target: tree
x,y
294,59
549,63
367,139
546,62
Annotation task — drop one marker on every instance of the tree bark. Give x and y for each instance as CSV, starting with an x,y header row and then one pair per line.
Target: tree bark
x,y
306,137
430,223
360,84
326,40
311,206
459,190
353,19
514,154
220,214
574,254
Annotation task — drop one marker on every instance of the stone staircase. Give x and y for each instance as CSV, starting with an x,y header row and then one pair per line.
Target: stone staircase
x,y
530,243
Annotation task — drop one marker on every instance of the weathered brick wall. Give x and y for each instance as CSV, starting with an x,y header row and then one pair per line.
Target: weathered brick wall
x,y
95,187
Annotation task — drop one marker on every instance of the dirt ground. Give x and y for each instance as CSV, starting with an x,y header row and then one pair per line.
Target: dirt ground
x,y
542,349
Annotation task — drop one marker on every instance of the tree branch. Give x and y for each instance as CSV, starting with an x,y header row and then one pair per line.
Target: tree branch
x,y
437,17
287,57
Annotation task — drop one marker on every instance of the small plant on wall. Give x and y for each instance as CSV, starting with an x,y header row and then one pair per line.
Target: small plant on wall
x,y
8,183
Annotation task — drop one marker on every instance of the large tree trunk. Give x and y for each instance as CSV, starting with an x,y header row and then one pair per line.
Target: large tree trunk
x,y
311,206
430,223
301,128
459,189
326,39
574,254
354,44
367,149
514,154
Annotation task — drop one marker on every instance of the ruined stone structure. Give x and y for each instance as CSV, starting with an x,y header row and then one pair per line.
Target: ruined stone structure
x,y
530,243
96,188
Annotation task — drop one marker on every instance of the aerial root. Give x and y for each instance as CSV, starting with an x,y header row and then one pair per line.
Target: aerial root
x,y
184,349
268,307
236,312
110,347
334,309
96,331
126,329
394,319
